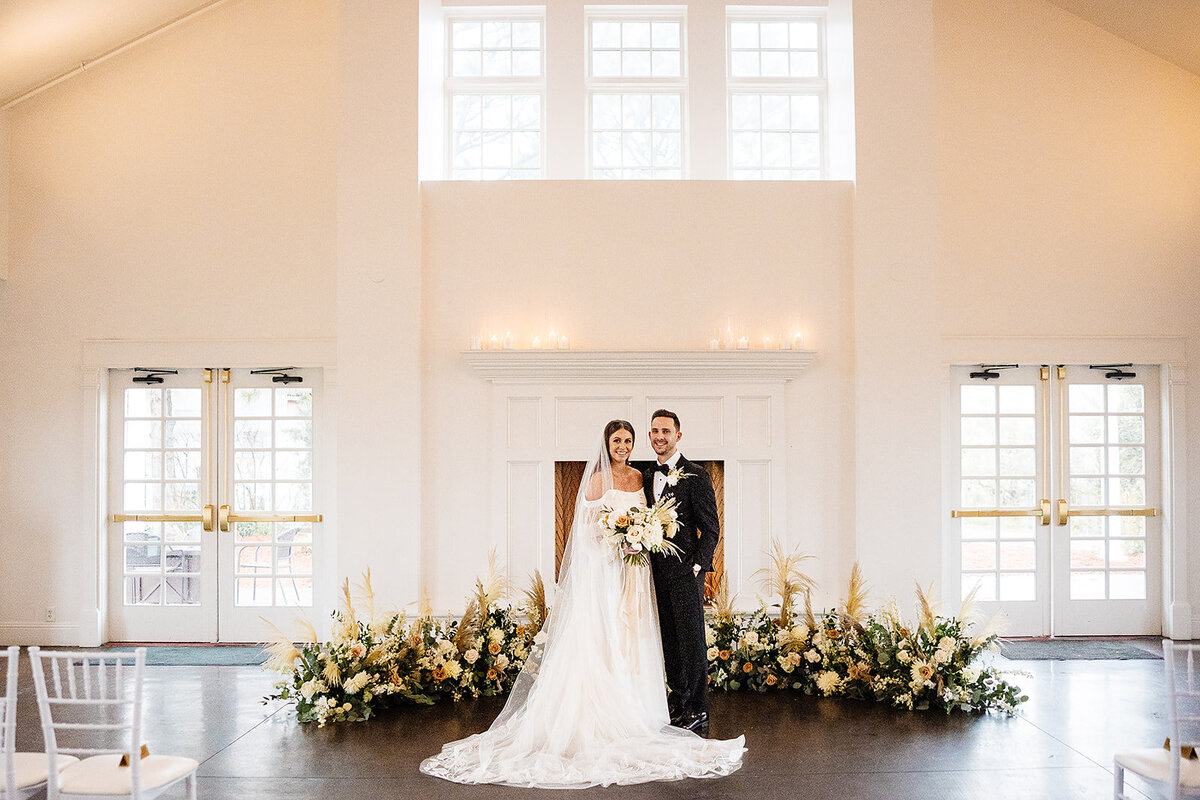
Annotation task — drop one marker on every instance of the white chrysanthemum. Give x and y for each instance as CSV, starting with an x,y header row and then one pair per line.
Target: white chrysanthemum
x,y
356,682
813,656
710,636
799,632
495,635
828,682
453,669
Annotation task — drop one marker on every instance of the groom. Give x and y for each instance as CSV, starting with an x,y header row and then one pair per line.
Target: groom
x,y
679,579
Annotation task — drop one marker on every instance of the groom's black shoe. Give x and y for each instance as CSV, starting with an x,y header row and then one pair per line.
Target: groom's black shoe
x,y
696,723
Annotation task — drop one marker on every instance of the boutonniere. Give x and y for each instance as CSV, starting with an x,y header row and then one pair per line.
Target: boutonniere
x,y
675,476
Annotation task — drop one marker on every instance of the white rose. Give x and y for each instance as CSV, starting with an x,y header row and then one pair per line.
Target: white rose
x,y
970,674
358,650
501,661
813,656
712,653
471,656
308,689
903,656
947,643
941,656
751,638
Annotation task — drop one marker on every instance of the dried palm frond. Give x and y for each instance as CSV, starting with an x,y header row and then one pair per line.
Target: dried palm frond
x,y
332,673
535,602
810,619
366,594
281,652
310,630
425,608
491,587
467,626
785,579
347,602
854,607
723,600
993,627
967,612
927,608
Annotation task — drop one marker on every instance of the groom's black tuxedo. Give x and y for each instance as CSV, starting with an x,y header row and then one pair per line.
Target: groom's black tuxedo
x,y
680,591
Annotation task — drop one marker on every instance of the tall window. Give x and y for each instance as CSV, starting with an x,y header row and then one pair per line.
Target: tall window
x,y
637,92
496,90
777,95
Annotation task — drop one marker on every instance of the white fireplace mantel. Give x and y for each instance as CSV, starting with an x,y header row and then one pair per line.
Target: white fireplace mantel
x,y
659,366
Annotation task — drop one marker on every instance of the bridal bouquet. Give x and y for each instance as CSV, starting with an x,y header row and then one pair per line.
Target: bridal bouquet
x,y
639,531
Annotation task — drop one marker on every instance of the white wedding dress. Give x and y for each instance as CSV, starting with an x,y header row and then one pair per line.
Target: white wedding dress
x,y
590,708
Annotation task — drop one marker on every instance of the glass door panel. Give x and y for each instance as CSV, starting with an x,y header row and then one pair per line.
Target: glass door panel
x,y
1108,536
162,552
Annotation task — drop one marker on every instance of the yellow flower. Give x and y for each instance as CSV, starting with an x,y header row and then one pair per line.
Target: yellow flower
x,y
492,674
724,654
494,648
747,667
772,680
439,674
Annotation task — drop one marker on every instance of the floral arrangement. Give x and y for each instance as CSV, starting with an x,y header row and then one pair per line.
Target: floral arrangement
x,y
639,531
373,660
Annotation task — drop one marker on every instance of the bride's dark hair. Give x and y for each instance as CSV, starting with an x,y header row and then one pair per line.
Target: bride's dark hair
x,y
618,425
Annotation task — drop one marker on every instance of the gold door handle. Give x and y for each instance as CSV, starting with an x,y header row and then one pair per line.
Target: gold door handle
x,y
1065,512
276,518
1042,512
224,519
209,521
158,518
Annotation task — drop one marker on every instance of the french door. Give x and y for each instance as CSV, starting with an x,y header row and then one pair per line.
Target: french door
x,y
213,489
1057,488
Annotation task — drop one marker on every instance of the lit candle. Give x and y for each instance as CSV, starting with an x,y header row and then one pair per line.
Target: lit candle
x,y
563,344
508,340
537,343
767,343
476,344
713,344
494,342
785,343
729,338
798,341
743,343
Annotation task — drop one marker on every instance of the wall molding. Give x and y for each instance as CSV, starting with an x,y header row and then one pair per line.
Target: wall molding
x,y
26,634
659,366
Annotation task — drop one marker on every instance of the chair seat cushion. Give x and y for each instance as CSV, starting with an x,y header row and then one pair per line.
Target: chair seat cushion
x,y
105,775
31,768
1155,763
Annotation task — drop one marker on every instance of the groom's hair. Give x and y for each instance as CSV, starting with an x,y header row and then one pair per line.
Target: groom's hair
x,y
662,412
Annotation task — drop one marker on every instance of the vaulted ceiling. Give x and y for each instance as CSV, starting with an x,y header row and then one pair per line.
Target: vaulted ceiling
x,y
41,40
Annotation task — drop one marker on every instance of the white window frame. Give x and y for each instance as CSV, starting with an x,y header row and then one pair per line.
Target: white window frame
x,y
490,84
637,85
789,85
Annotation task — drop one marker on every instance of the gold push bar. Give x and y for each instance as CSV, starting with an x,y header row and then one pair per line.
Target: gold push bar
x,y
1043,513
205,517
1065,512
227,517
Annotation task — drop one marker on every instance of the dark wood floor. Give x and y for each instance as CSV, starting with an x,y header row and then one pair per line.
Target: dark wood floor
x,y
1059,747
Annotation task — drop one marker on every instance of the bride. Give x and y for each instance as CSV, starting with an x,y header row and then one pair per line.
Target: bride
x,y
590,707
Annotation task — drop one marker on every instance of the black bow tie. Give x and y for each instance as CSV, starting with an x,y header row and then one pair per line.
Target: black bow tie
x,y
663,468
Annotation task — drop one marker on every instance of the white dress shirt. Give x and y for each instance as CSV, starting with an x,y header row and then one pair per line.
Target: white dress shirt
x,y
660,480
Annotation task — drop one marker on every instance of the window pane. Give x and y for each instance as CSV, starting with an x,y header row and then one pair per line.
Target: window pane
x,y
664,35
606,34
743,34
635,34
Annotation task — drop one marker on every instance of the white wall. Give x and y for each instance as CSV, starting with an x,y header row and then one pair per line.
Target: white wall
x,y
253,175
185,189
1069,192
637,266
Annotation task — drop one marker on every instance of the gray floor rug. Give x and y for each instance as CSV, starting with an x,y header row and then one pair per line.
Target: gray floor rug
x,y
1075,650
202,656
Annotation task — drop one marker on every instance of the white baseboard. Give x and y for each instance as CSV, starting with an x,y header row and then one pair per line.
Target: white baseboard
x,y
58,634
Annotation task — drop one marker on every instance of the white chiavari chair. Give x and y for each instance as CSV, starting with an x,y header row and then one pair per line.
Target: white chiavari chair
x,y
1178,776
106,689
24,773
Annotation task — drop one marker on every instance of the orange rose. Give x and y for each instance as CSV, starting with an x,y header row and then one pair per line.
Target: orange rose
x,y
772,680
724,654
520,630
439,674
747,667
494,648
492,675
834,634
